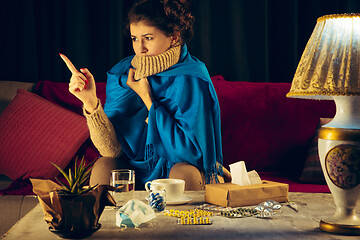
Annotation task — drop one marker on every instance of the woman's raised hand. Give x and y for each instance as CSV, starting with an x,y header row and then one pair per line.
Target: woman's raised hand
x,y
82,85
141,87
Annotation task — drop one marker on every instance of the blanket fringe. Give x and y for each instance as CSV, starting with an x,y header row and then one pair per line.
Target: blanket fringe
x,y
152,160
211,175
150,157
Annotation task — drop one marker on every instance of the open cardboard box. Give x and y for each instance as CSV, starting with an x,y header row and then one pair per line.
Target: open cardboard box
x,y
233,195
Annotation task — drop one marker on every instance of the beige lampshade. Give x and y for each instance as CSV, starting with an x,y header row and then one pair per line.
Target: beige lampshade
x,y
330,64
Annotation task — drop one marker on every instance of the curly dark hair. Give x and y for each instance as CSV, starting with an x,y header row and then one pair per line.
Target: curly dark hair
x,y
169,16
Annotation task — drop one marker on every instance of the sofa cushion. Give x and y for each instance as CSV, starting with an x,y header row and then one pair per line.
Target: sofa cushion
x,y
264,128
58,93
35,132
312,172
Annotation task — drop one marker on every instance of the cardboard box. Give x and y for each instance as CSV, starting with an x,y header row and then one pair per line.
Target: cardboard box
x,y
232,195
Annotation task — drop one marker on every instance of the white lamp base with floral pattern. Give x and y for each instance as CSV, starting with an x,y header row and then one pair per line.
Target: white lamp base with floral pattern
x,y
339,152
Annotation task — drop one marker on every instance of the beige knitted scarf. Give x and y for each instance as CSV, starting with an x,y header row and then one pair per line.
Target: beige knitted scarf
x,y
149,65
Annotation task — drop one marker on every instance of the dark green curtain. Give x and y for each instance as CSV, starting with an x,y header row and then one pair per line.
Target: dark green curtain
x,y
254,41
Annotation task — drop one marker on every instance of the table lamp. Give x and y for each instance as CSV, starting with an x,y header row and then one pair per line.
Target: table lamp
x,y
330,69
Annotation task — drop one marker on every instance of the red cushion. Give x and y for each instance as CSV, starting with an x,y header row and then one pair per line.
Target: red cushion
x,y
58,93
264,128
35,132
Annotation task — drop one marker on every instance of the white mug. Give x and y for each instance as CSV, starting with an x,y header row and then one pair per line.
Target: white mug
x,y
174,187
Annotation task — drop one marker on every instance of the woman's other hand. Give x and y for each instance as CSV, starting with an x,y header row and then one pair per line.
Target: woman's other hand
x,y
141,87
82,85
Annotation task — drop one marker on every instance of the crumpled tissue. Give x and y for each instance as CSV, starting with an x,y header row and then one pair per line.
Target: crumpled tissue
x,y
240,176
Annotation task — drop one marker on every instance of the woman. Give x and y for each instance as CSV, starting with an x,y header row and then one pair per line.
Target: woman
x,y
161,116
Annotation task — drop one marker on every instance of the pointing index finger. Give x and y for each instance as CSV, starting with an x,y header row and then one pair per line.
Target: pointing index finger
x,y
68,63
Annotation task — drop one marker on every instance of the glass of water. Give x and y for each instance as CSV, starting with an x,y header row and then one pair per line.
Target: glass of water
x,y
124,182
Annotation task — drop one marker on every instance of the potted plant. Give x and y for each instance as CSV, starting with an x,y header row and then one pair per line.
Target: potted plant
x,y
72,209
76,179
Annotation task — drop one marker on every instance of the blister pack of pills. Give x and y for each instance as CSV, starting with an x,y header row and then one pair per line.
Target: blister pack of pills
x,y
263,210
195,221
188,213
191,217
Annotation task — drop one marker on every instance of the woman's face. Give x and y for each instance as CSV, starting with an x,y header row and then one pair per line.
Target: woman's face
x,y
148,40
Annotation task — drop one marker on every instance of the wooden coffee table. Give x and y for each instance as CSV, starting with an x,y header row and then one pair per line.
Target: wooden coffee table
x,y
288,224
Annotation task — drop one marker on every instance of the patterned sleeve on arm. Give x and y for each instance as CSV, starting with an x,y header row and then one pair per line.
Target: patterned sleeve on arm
x,y
102,132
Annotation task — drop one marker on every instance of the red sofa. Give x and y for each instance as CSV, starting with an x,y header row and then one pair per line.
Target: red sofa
x,y
271,133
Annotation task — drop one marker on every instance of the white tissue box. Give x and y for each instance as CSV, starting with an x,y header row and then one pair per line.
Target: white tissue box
x,y
232,195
